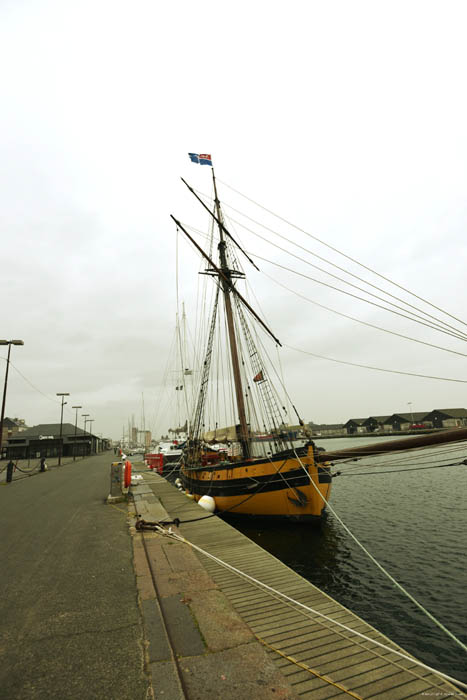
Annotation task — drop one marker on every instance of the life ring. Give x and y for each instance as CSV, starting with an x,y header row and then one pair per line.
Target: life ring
x,y
127,477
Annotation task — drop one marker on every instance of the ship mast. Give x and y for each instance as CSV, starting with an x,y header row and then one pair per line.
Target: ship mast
x,y
226,281
226,276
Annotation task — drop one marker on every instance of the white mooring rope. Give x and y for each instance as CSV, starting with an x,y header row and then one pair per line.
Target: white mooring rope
x,y
180,538
386,573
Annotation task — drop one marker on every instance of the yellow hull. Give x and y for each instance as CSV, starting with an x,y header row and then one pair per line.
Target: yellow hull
x,y
278,487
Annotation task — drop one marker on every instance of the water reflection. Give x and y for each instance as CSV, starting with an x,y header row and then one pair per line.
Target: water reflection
x,y
308,549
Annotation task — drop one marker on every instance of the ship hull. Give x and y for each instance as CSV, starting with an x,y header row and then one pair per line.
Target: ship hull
x,y
265,488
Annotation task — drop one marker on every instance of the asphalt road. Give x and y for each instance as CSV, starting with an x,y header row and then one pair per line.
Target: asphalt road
x,y
70,626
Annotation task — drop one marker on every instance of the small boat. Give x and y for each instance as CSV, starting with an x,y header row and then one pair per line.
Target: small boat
x,y
171,449
168,457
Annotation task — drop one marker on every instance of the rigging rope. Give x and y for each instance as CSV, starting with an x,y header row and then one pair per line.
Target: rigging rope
x,y
409,469
459,334
355,296
416,318
363,323
357,320
338,267
379,369
411,455
336,250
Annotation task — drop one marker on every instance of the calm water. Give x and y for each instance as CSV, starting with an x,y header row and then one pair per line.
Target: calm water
x,y
415,524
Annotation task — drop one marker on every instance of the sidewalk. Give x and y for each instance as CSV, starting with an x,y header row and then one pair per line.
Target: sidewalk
x,y
70,624
25,468
77,623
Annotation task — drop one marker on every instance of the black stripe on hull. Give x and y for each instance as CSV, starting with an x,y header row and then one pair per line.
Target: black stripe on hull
x,y
251,485
285,454
271,519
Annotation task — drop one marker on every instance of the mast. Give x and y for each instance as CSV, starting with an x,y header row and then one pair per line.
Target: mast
x,y
226,281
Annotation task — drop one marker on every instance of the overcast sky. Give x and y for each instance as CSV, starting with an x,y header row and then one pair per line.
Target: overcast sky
x,y
346,118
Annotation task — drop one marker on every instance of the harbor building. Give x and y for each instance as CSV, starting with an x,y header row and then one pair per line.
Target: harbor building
x,y
441,418
447,417
44,441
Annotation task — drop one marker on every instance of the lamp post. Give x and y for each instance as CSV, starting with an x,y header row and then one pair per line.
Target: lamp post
x,y
85,416
9,343
90,432
63,394
76,426
411,412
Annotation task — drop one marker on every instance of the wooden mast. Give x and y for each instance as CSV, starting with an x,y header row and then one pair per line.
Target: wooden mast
x,y
226,282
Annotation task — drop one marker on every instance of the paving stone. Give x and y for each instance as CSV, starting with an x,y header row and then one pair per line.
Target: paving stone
x,y
220,625
242,673
183,630
165,681
159,648
146,587
181,557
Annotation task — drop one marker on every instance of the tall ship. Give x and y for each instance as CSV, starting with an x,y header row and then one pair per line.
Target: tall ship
x,y
241,456
245,476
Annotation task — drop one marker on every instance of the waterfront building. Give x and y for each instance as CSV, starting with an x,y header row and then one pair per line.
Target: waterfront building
x,y
44,441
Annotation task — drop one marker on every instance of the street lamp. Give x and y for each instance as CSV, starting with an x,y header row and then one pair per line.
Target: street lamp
x,y
9,343
85,416
76,426
411,412
63,394
90,433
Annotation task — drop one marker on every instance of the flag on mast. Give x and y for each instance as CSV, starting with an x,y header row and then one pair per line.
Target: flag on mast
x,y
201,158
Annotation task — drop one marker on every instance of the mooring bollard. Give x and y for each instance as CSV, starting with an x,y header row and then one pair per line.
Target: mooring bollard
x,y
9,471
116,483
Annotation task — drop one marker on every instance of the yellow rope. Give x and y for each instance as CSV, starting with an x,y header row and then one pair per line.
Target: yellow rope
x,y
310,670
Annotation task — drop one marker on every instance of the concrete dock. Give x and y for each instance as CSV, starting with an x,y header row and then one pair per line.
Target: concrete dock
x,y
92,608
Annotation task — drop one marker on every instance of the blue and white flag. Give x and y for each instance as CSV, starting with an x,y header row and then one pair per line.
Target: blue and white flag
x,y
201,158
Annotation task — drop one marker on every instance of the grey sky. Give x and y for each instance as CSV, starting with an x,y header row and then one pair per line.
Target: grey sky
x,y
348,119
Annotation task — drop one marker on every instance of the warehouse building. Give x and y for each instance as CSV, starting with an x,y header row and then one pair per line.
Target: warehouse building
x,y
44,441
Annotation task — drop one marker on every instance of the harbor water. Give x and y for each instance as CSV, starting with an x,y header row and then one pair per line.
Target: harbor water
x,y
414,522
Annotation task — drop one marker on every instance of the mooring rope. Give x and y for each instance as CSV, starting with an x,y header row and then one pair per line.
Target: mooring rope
x,y
180,538
380,566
